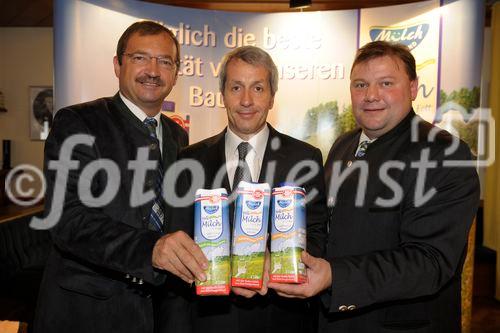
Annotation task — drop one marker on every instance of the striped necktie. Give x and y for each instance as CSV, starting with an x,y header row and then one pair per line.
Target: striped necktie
x,y
156,217
242,172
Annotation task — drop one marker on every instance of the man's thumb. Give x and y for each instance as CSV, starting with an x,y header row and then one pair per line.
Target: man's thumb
x,y
308,259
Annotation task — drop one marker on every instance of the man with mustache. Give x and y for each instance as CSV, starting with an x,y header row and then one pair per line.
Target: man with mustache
x,y
248,83
394,258
107,258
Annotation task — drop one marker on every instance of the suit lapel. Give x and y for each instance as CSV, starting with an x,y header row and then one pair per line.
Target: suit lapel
x,y
169,145
272,155
350,151
217,162
129,118
216,165
136,135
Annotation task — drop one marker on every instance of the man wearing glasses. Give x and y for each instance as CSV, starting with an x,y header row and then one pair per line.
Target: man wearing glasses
x,y
108,256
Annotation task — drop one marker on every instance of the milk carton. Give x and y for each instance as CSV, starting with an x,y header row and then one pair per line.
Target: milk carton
x,y
288,235
212,234
250,225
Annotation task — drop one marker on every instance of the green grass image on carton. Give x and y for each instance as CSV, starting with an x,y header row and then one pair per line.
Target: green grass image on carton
x,y
287,261
217,272
248,266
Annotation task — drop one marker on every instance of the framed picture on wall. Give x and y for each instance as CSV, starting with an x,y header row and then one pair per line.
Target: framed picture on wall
x,y
41,111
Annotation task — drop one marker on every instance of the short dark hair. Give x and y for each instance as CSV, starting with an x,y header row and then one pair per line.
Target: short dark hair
x,y
254,56
144,28
381,48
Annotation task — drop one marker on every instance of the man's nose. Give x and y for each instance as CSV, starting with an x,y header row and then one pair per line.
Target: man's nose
x,y
246,98
372,93
152,67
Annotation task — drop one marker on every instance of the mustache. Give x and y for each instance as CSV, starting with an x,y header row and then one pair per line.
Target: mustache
x,y
145,78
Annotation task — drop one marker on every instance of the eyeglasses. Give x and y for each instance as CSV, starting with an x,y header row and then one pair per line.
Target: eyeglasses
x,y
142,59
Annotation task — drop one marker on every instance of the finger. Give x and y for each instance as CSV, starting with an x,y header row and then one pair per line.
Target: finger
x,y
267,262
247,293
177,265
164,258
265,280
170,254
190,255
262,291
289,289
177,273
184,258
170,268
195,250
288,295
308,260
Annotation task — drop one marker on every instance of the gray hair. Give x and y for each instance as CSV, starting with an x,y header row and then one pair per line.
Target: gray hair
x,y
254,56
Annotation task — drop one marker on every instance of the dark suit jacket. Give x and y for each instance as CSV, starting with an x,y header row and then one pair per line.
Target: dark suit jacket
x,y
85,288
397,266
269,313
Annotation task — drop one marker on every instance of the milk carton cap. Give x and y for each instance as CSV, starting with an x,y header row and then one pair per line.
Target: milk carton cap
x,y
253,186
290,184
288,187
204,192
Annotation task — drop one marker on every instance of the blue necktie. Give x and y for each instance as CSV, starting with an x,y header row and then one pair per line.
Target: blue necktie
x,y
362,149
156,218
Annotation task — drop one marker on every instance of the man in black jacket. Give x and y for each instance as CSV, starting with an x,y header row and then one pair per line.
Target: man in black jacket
x,y
248,82
110,242
402,196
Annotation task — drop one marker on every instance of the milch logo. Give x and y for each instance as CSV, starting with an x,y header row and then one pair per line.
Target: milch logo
x,y
253,204
410,36
284,203
211,209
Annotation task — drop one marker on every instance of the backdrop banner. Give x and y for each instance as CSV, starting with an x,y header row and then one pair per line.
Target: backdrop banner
x,y
313,51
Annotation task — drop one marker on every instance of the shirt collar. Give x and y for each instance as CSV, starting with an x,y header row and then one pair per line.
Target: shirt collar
x,y
258,142
141,115
364,137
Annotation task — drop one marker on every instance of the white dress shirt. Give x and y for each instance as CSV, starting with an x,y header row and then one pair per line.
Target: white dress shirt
x,y
255,155
141,116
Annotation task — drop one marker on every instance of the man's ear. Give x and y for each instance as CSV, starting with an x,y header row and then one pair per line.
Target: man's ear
x,y
117,66
271,103
414,89
175,78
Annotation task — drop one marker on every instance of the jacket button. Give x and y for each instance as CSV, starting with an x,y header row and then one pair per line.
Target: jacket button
x,y
351,307
153,146
149,183
342,308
